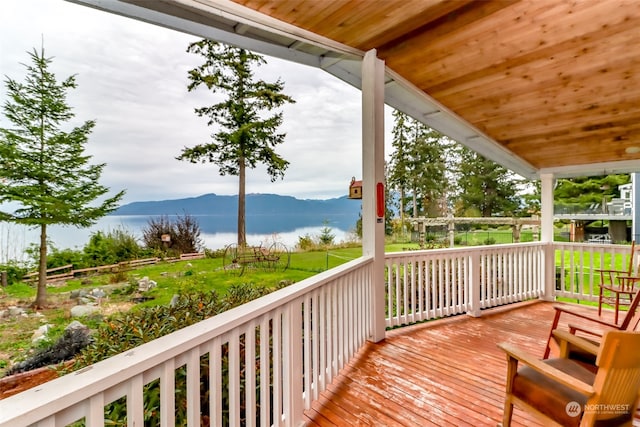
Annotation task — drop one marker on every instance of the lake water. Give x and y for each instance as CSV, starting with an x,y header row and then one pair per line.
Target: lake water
x,y
216,231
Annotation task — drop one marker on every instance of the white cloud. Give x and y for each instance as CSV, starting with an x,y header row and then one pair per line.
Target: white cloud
x,y
132,80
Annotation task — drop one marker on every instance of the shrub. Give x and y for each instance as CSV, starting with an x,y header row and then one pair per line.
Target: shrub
x,y
183,232
111,247
305,242
59,257
489,241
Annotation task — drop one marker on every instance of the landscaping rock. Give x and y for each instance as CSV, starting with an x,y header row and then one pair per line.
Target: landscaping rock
x,y
98,293
84,310
76,325
40,333
16,311
174,300
145,284
78,293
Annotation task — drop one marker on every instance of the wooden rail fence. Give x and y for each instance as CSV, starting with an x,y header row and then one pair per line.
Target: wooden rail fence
x,y
67,272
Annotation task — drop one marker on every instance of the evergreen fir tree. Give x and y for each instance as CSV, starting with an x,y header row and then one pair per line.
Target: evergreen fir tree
x,y
245,136
45,176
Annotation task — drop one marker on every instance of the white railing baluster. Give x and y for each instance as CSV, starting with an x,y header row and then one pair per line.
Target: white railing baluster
x,y
342,345
135,402
315,349
167,394
398,296
95,414
193,388
323,368
292,345
250,373
265,363
308,343
234,378
277,367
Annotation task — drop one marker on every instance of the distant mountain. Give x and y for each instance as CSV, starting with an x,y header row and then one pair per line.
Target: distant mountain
x,y
257,204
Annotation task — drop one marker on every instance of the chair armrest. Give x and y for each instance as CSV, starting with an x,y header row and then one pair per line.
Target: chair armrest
x,y
584,316
549,371
573,328
630,278
565,337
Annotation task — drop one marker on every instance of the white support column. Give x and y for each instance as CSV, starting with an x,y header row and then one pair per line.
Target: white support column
x,y
635,207
547,182
546,207
372,175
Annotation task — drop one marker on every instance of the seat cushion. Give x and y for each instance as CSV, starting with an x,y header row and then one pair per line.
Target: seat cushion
x,y
550,397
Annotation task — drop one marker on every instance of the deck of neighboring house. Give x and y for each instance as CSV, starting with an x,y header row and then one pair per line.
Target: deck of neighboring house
x,y
447,372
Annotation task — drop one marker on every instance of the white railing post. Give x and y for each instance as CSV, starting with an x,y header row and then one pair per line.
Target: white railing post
x,y
474,282
292,345
373,182
549,274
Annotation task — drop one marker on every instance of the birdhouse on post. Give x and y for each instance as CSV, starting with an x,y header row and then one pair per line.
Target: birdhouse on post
x,y
355,189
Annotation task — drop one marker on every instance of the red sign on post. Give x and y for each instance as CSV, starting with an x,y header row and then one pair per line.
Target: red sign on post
x,y
380,200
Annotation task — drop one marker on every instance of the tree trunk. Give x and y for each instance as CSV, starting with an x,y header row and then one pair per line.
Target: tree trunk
x,y
41,294
242,234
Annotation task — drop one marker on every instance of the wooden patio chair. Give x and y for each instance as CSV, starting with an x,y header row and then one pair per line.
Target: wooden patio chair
x,y
617,287
629,322
562,392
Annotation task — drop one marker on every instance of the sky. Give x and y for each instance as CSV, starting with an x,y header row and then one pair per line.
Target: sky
x,y
132,80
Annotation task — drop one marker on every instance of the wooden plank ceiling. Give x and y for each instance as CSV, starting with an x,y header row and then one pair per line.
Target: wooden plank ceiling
x,y
554,82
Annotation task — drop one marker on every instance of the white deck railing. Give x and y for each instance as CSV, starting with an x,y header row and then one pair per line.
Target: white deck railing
x,y
267,361
424,285
577,271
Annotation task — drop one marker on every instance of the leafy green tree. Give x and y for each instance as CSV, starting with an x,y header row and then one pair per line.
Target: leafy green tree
x,y
485,188
246,136
44,173
588,193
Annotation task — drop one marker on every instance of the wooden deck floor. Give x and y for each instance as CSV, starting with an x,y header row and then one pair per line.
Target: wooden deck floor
x,y
442,373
